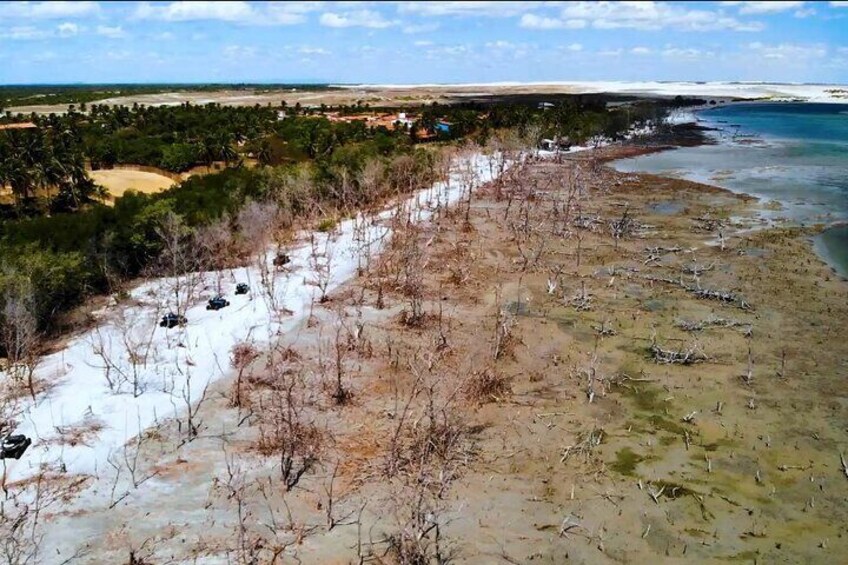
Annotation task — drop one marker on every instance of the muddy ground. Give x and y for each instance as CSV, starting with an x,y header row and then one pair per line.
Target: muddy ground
x,y
500,379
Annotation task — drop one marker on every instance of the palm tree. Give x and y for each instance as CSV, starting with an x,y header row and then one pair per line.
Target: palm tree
x,y
264,154
225,148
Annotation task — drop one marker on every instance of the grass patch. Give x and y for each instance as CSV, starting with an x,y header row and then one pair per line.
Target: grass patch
x,y
326,225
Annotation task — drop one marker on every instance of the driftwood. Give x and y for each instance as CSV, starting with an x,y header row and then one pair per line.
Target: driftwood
x,y
707,224
705,293
587,222
659,250
654,254
584,446
605,329
711,322
583,300
688,356
697,270
720,295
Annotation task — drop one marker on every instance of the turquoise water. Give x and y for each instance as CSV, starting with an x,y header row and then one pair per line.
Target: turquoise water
x,y
793,153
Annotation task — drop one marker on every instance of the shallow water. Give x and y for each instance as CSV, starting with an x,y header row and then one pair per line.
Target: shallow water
x,y
790,153
832,244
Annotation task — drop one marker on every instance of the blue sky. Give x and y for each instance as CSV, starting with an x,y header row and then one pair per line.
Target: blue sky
x,y
421,42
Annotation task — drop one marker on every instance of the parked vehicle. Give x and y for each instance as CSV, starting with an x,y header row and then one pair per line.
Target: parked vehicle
x,y
14,446
282,259
217,303
171,320
242,288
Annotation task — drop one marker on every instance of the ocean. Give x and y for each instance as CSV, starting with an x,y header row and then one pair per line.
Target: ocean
x,y
794,156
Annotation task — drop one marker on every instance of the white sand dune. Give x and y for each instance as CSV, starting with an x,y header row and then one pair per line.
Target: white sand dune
x,y
832,93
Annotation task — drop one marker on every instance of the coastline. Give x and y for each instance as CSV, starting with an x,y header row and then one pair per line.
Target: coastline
x,y
831,245
828,234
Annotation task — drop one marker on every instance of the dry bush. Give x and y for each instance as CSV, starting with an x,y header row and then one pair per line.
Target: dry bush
x,y
285,429
241,356
486,386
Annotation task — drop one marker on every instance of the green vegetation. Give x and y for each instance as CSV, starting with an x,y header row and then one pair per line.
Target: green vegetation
x,y
59,244
21,95
45,159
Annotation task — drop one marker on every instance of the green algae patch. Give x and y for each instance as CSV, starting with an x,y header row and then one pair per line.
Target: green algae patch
x,y
645,397
626,461
666,425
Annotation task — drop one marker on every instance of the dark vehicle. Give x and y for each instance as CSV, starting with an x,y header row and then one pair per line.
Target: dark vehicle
x,y
217,303
242,288
171,320
14,446
281,259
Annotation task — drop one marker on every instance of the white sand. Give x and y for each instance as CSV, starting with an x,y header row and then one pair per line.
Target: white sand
x,y
832,93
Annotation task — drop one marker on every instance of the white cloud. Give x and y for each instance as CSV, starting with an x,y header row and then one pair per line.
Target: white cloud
x,y
532,21
270,13
420,28
651,16
500,44
23,33
290,13
684,53
641,51
448,50
611,52
115,32
187,11
764,7
839,4
47,10
313,51
423,43
67,29
238,52
575,47
360,18
488,9
32,33
118,55
788,52
804,13
44,56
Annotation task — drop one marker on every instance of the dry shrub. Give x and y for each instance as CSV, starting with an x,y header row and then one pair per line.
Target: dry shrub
x,y
242,355
285,428
487,386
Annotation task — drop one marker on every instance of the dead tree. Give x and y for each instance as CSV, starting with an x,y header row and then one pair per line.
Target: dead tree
x,y
178,259
320,264
285,431
622,227
242,355
20,336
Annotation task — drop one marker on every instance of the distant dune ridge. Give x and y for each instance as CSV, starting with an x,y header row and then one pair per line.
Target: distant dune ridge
x,y
415,94
748,90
